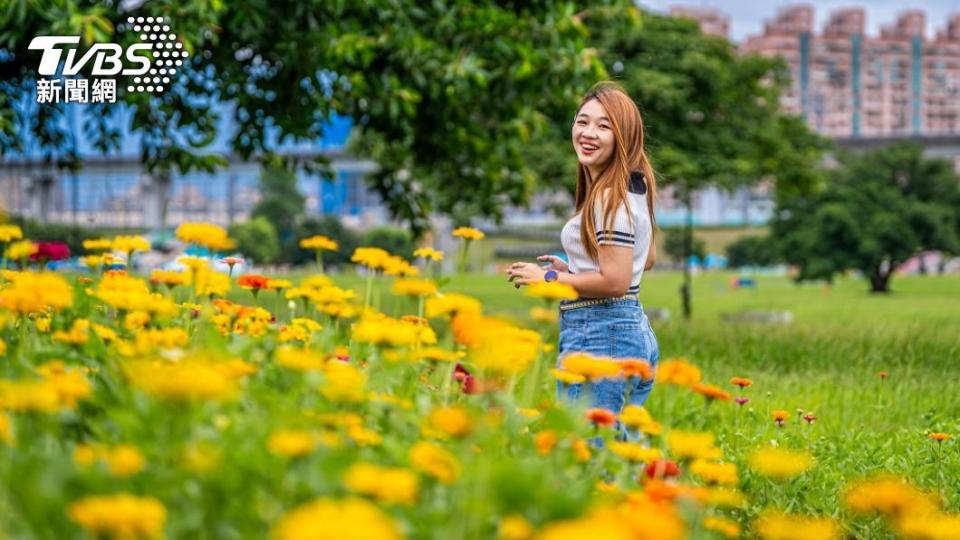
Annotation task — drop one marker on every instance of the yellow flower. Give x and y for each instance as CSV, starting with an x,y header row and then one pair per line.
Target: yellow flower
x,y
199,458
637,417
939,437
343,383
120,516
385,484
208,235
98,244
545,441
723,526
328,519
691,445
382,330
414,287
211,283
124,292
776,526
371,257
890,496
635,452
591,367
678,371
130,244
169,278
451,304
468,233
434,461
514,527
363,436
714,473
185,380
78,334
319,242
291,443
780,464
10,232
581,451
124,460
543,315
33,292
21,250
551,290
279,284
398,266
428,253
449,422
566,377
299,359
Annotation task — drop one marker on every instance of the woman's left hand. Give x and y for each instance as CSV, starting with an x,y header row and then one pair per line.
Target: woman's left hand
x,y
522,273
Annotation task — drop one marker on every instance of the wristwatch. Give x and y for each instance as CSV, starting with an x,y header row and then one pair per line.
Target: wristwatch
x,y
550,275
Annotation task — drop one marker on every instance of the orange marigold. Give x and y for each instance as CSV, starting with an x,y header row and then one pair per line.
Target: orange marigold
x,y
742,382
636,367
710,392
601,417
254,282
939,437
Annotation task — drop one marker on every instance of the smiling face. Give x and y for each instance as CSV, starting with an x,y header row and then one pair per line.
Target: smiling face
x,y
593,137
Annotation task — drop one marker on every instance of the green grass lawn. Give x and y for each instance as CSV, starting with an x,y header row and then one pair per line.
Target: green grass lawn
x,y
826,362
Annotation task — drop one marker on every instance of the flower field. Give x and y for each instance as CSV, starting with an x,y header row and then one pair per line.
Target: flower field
x,y
397,402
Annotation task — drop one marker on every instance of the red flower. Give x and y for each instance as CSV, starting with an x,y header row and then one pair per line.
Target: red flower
x,y
601,417
254,282
460,372
51,251
662,468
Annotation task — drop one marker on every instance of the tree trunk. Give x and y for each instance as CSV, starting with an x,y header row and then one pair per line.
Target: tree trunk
x,y
880,281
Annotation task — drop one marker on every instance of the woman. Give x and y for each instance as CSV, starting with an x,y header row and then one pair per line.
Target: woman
x,y
609,243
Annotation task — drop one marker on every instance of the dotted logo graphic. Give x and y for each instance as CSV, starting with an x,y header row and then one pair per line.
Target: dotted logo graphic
x,y
168,53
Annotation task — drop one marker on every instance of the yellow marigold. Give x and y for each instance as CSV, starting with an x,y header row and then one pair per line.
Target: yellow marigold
x,y
204,234
160,338
428,253
371,257
436,354
383,330
773,525
125,292
10,232
635,416
678,371
501,347
329,519
186,380
435,461
20,250
136,320
389,485
124,460
120,516
78,334
211,283
169,278
725,527
343,383
449,422
398,266
300,359
35,292
635,452
291,443
105,333
551,290
780,416
320,242
279,284
514,527
6,430
543,315
692,445
936,525
590,366
780,464
581,451
889,496
714,473
98,244
130,244
468,233
566,377
451,304
363,436
414,287
725,498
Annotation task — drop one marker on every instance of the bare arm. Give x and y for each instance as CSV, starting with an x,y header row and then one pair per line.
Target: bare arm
x,y
613,279
651,256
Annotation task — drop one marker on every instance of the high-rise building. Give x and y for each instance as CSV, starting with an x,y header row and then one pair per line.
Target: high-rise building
x,y
846,83
711,21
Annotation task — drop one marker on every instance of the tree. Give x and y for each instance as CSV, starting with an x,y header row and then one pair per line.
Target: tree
x,y
675,246
712,116
444,95
256,239
331,227
281,202
752,251
396,241
880,208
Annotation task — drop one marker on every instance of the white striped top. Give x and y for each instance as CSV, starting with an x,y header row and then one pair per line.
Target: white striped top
x,y
635,233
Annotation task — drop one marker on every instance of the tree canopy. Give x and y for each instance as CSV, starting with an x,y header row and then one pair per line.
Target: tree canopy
x,y
879,209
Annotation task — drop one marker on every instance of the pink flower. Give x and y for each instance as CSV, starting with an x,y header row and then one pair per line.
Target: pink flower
x,y
51,251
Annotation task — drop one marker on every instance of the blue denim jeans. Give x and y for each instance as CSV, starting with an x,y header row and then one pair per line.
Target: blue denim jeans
x,y
617,330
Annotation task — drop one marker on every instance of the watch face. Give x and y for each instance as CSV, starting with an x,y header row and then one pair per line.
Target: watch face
x,y
551,275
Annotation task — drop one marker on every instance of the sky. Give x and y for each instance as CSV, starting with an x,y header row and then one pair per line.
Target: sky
x,y
747,16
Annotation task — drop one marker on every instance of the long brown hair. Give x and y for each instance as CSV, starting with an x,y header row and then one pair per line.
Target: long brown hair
x,y
628,156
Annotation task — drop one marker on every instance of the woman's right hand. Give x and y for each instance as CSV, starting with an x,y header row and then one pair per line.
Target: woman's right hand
x,y
556,263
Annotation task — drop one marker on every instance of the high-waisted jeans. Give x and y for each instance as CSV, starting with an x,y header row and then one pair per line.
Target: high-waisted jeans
x,y
617,330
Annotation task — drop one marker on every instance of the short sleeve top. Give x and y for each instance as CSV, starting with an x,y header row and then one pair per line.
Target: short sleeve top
x,y
634,233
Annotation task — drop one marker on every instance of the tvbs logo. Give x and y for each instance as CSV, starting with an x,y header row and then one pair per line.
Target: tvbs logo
x,y
150,64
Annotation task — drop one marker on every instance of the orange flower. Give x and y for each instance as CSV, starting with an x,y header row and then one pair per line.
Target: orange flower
x,y
711,392
545,441
742,382
253,282
636,367
883,374
939,437
601,417
780,417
